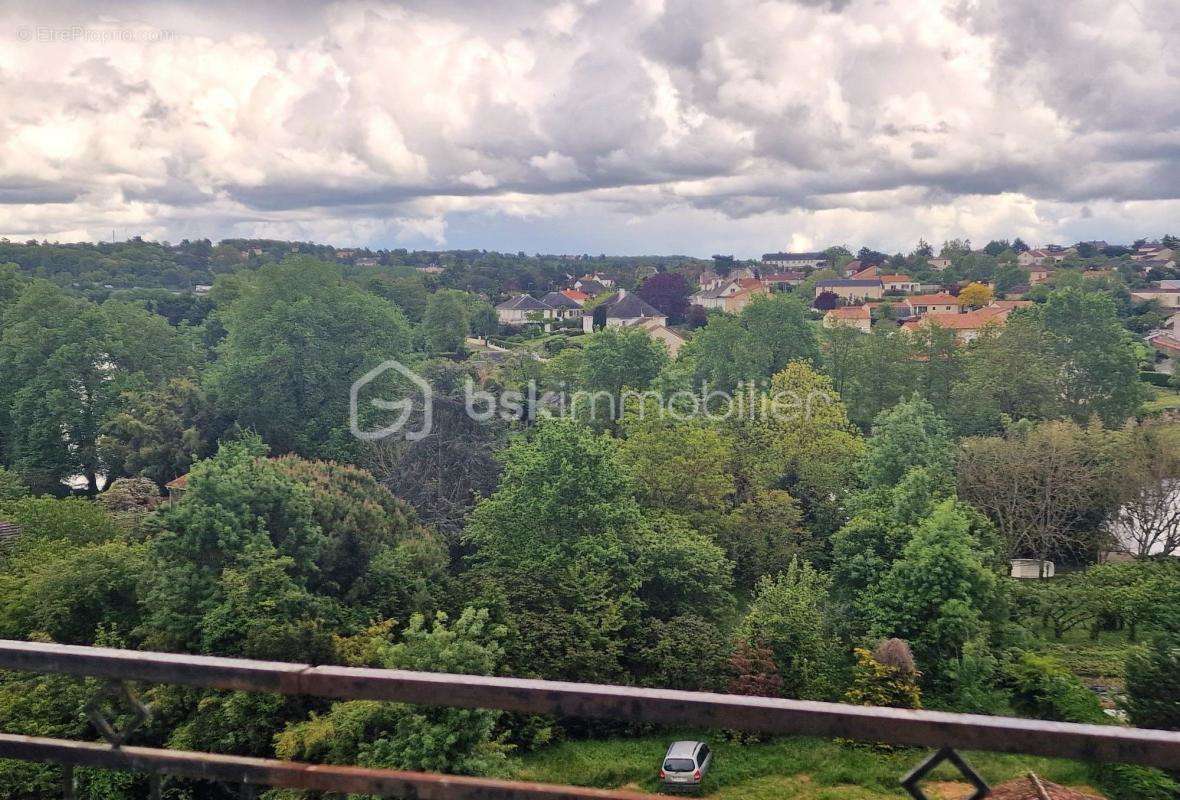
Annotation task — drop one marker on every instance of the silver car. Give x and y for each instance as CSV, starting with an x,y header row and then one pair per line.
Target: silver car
x,y
685,765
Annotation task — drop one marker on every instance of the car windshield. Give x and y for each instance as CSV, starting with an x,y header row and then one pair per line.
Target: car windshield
x,y
679,765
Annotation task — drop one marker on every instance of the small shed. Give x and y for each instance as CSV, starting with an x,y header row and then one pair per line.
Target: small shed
x,y
1026,568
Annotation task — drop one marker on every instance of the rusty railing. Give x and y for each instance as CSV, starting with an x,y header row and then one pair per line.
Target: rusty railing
x,y
945,731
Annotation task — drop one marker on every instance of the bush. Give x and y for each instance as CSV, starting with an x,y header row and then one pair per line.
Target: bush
x,y
1044,689
1155,378
1153,683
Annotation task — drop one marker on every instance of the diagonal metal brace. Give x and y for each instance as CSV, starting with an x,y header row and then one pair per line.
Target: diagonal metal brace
x,y
117,691
910,782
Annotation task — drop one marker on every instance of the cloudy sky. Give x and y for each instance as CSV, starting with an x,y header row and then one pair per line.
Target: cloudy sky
x,y
651,126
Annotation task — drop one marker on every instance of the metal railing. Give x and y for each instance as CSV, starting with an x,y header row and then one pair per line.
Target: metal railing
x,y
946,731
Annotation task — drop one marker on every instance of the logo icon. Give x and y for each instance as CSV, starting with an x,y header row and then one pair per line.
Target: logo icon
x,y
404,406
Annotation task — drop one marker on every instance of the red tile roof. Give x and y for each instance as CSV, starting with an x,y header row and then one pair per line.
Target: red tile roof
x,y
851,312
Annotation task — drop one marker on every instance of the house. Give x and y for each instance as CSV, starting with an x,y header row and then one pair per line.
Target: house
x,y
522,309
177,487
578,297
433,269
564,307
859,317
851,289
1046,255
671,339
1167,340
941,303
865,274
590,286
898,283
1152,252
604,280
1148,264
965,326
202,289
623,309
719,297
1166,293
780,281
747,290
795,260
366,262
1038,274
938,264
850,269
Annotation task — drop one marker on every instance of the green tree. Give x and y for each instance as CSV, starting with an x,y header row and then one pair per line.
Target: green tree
x,y
678,466
725,354
883,373
63,363
297,338
1095,353
445,325
11,486
938,595
1153,680
621,358
157,433
789,615
781,332
554,549
401,736
908,435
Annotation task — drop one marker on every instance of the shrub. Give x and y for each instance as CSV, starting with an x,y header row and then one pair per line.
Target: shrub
x,y
1042,688
1153,683
1155,378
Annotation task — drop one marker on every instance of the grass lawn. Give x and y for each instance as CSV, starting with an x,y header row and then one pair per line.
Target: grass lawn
x,y
1095,661
801,767
1162,399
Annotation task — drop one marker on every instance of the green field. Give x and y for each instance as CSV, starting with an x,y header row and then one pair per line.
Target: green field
x,y
803,768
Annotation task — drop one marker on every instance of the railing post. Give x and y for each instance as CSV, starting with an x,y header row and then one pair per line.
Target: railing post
x,y
69,789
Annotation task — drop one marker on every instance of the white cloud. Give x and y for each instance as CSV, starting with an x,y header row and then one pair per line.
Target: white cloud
x,y
701,124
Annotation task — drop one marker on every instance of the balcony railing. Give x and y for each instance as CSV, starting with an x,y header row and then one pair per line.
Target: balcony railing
x,y
944,731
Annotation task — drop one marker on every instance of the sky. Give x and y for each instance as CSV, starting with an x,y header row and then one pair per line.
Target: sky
x,y
600,126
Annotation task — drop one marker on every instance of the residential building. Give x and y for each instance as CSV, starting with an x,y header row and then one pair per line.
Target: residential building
x,y
1166,293
718,297
747,290
657,330
898,283
966,326
591,286
851,289
563,306
780,281
859,317
938,264
1046,255
623,309
1152,252
578,297
865,274
850,269
522,309
795,260
941,303
1038,273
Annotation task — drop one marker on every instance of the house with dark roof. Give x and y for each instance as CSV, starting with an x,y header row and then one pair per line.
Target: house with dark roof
x,y
624,309
563,306
591,286
521,309
852,289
